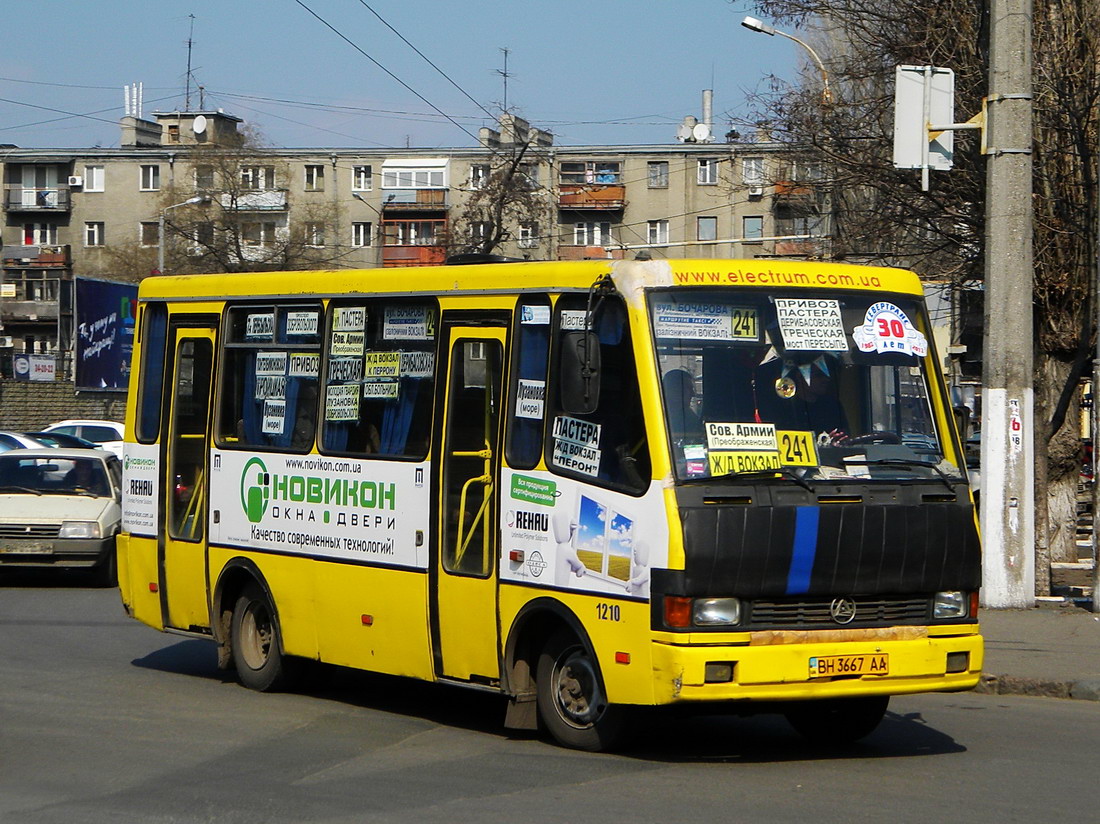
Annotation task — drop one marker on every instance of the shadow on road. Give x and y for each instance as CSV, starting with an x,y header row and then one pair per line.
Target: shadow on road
x,y
659,735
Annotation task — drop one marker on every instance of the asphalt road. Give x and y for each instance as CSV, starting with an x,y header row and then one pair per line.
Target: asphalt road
x,y
105,720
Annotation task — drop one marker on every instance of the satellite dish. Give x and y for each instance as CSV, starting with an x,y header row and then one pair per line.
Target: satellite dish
x,y
701,133
200,124
683,133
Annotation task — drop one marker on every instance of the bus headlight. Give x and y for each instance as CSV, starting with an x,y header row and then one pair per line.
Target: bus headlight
x,y
949,605
710,612
79,529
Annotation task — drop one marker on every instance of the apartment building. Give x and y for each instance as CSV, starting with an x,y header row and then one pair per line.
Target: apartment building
x,y
185,192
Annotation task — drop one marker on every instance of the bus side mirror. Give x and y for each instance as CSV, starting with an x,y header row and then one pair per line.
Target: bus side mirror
x,y
580,373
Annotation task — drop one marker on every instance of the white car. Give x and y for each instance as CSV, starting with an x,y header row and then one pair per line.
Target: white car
x,y
104,434
60,508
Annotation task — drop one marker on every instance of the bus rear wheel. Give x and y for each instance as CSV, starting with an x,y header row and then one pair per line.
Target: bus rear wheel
x,y
838,720
571,698
257,648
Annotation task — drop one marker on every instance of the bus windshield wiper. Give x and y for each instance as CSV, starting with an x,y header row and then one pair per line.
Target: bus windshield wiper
x,y
756,475
907,463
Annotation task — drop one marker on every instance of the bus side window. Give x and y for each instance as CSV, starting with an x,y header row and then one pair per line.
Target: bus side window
x,y
607,447
379,378
154,338
528,402
269,377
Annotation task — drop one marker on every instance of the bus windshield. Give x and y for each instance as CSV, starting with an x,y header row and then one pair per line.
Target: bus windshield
x,y
836,386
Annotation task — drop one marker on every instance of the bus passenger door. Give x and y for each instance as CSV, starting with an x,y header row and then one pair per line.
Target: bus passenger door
x,y
183,584
464,621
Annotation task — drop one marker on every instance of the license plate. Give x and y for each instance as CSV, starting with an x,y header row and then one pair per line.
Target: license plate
x,y
829,666
29,548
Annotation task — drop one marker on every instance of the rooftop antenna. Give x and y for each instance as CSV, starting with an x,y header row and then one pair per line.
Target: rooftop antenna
x,y
187,96
504,73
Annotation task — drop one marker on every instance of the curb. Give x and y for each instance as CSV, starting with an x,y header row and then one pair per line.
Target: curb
x,y
1088,690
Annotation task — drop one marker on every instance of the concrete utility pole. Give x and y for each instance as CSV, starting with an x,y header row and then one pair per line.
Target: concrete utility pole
x,y
1008,425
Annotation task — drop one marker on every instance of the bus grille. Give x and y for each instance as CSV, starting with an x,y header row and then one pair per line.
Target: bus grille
x,y
816,614
16,532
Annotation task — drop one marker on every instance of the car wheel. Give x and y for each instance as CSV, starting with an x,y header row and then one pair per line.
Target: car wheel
x,y
838,720
105,572
571,698
257,648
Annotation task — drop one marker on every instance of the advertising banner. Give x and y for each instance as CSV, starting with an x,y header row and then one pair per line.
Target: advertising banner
x,y
104,333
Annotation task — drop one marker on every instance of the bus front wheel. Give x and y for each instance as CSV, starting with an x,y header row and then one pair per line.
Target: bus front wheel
x,y
571,698
838,720
254,636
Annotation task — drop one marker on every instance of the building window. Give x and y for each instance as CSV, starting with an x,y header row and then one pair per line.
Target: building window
x,y
591,171
706,228
173,133
788,223
315,234
93,233
361,233
93,178
658,174
204,235
150,178
592,233
707,174
258,233
39,234
150,233
657,231
361,179
257,178
412,232
413,178
479,230
752,227
752,172
479,175
204,178
529,173
315,177
528,235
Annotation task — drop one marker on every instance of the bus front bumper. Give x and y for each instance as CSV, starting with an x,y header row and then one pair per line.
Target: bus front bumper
x,y
782,666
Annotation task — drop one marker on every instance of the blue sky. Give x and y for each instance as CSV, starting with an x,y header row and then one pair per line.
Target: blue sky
x,y
603,72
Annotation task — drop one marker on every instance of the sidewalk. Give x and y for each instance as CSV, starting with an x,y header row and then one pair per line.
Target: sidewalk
x,y
1052,650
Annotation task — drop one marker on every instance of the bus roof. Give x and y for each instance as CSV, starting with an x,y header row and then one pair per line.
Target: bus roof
x,y
628,275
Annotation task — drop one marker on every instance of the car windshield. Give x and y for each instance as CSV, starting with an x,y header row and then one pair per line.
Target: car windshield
x,y
53,476
833,386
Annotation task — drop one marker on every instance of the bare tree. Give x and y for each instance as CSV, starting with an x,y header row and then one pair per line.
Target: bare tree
x,y
881,215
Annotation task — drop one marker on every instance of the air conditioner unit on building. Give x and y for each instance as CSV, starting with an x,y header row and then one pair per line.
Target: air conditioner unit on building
x,y
6,341
756,191
76,180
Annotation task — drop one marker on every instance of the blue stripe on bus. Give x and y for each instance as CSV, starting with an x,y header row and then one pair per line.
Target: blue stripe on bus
x,y
804,550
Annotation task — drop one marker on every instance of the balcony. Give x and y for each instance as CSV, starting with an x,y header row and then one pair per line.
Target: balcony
x,y
590,253
414,255
44,200
793,192
811,247
37,257
591,196
262,200
415,200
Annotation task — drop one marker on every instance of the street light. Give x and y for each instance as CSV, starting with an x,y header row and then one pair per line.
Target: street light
x,y
754,24
191,201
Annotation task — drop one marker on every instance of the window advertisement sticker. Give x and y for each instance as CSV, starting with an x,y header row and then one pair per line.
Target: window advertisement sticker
x,y
270,386
694,321
347,343
417,364
349,318
301,323
886,328
741,437
572,320
345,369
342,402
530,399
811,323
260,326
534,315
576,445
304,365
271,363
274,417
723,463
381,365
382,389
408,323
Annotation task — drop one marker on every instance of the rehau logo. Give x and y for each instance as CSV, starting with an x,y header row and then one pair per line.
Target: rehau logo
x,y
531,521
255,490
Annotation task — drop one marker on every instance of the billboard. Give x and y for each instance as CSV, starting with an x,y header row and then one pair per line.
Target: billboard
x,y
104,314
